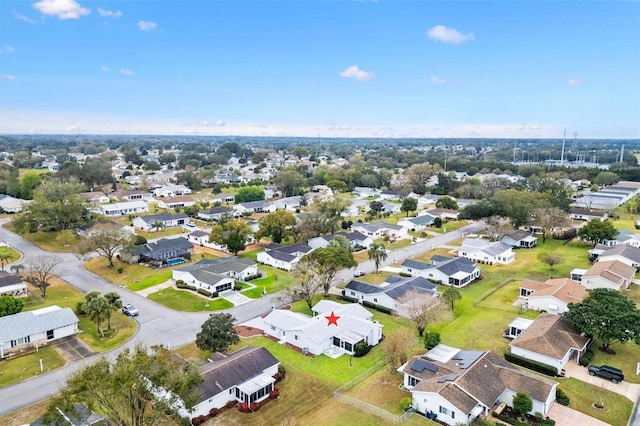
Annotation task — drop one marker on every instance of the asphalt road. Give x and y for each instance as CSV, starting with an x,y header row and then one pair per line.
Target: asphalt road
x,y
158,324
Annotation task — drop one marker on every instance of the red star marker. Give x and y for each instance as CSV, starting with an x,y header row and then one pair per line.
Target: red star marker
x,y
332,319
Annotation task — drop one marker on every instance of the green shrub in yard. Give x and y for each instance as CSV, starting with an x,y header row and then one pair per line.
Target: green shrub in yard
x,y
431,340
404,274
586,358
405,403
362,348
532,365
562,398
204,292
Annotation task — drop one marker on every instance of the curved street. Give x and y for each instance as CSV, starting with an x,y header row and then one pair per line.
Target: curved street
x,y
158,324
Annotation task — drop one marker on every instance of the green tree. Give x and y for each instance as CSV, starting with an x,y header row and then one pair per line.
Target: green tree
x,y
28,182
608,315
6,256
157,225
277,225
232,234
450,295
235,242
420,174
378,253
9,305
596,231
376,206
290,182
217,333
447,203
106,242
17,268
115,303
99,311
66,237
332,211
324,263
409,205
522,403
248,194
516,205
125,390
606,178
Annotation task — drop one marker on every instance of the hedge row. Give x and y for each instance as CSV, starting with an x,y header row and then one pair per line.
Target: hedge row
x,y
531,365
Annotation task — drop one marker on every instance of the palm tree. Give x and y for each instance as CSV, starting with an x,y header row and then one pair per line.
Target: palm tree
x,y
378,253
99,310
114,302
17,268
5,257
157,225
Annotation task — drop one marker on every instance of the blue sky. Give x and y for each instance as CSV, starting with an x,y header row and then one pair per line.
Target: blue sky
x,y
322,68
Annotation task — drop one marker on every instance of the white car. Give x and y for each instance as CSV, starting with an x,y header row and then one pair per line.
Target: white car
x,y
358,273
130,310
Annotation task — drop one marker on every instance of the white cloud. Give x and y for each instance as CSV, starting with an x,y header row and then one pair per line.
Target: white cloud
x,y
147,26
23,18
7,49
220,123
73,129
8,77
355,72
575,82
436,80
126,72
109,13
104,69
62,9
448,35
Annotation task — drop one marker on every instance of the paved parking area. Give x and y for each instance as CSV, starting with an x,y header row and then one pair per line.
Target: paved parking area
x,y
630,390
72,349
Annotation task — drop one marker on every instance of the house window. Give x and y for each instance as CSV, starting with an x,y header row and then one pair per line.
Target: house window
x,y
447,412
413,381
273,327
353,293
375,300
295,337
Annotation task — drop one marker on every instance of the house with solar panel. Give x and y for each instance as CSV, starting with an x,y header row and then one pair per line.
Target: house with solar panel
x,y
455,386
37,327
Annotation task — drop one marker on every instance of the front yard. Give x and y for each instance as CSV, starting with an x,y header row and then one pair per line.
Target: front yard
x,y
188,301
617,408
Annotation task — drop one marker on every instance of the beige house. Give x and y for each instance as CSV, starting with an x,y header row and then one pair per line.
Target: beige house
x,y
553,295
612,274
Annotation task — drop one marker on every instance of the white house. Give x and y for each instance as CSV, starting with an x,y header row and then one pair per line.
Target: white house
x,y
609,274
316,334
551,340
246,375
283,257
241,269
261,206
624,253
580,213
417,223
177,202
126,208
553,295
131,195
444,214
483,251
364,192
12,285
391,293
287,203
10,204
356,239
167,220
171,191
94,198
456,386
379,229
36,327
520,239
453,271
215,213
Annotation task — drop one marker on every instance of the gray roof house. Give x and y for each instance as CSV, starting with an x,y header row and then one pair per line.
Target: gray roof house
x,y
623,253
520,239
379,229
12,285
390,293
161,252
168,220
78,415
217,274
454,271
35,327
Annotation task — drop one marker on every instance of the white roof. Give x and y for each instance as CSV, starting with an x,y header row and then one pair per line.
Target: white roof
x,y
442,353
521,323
33,322
256,384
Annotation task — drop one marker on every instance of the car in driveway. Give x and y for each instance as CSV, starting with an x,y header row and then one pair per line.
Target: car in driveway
x,y
130,310
606,372
358,273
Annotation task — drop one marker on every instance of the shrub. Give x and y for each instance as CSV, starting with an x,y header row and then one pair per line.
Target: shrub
x,y
196,421
431,340
274,394
509,420
120,270
282,370
532,365
179,283
404,274
562,398
237,287
214,412
139,240
81,308
405,403
230,404
214,294
204,292
278,376
362,348
586,358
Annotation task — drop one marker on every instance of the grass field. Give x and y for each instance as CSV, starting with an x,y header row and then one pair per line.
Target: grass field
x,y
46,240
583,395
275,280
187,301
13,254
27,366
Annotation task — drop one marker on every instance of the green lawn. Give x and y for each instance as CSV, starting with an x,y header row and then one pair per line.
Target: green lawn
x,y
163,232
65,296
14,256
275,280
185,300
45,240
583,395
625,358
253,255
449,226
27,366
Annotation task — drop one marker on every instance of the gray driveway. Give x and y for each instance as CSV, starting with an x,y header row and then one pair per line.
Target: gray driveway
x,y
72,349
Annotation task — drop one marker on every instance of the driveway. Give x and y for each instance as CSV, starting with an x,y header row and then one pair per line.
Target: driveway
x,y
72,349
565,416
630,390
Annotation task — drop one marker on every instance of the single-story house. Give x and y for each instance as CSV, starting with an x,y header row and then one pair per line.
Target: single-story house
x,y
214,213
457,385
390,194
94,198
389,294
364,191
379,229
131,195
165,251
242,269
581,213
10,204
520,239
454,271
315,335
36,327
126,208
417,223
12,285
177,202
283,257
246,375
356,239
287,203
553,295
80,415
626,254
609,274
388,207
260,206
444,214
171,191
224,198
551,340
483,251
168,220
93,228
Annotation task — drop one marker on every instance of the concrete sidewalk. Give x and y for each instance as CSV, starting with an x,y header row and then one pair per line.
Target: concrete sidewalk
x,y
149,290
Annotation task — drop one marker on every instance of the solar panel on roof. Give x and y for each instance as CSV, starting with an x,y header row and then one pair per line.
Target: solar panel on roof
x,y
448,377
418,366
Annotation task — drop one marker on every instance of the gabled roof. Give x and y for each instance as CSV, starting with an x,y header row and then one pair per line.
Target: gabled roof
x,y
7,279
217,210
279,255
424,219
229,370
586,212
457,264
396,286
31,322
519,235
221,265
163,217
564,289
416,264
376,226
163,245
551,335
612,270
254,204
624,250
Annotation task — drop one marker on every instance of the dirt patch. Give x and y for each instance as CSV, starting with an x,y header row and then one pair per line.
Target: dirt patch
x,y
53,282
218,253
246,331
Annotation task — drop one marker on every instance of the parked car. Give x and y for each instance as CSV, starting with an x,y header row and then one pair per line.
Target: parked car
x,y
607,372
130,310
358,273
